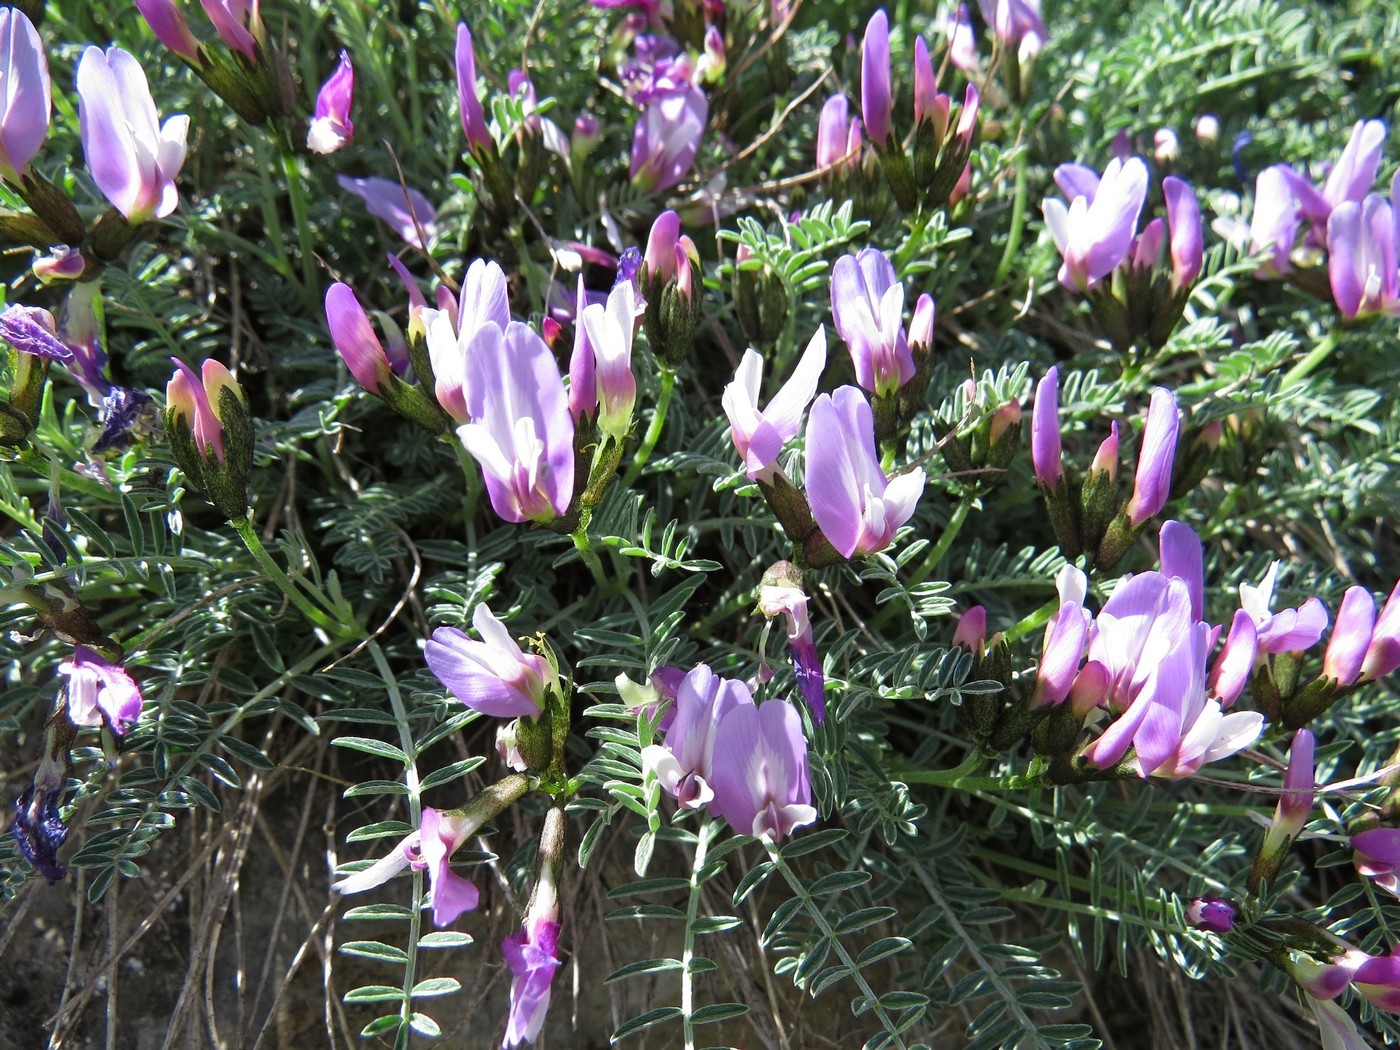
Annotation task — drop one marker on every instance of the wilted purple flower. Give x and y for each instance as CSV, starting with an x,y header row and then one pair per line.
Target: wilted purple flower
x,y
39,831
782,595
600,371
1351,636
1290,630
332,127
493,676
125,413
473,116
1046,449
1017,24
25,102
1361,256
450,330
32,330
867,306
683,762
405,209
1211,915
100,692
1187,234
355,339
760,436
838,134
667,137
759,771
133,159
533,953
1153,482
876,105
521,431
857,508
1383,654
1095,232
1153,654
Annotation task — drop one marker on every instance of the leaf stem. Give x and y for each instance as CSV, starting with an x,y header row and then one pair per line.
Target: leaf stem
x,y
702,845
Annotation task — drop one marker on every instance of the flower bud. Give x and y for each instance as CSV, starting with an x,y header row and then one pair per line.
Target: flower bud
x,y
760,299
1165,146
971,633
168,23
877,107
211,434
332,127
1207,128
1383,654
1351,637
25,102
1152,483
1045,430
479,139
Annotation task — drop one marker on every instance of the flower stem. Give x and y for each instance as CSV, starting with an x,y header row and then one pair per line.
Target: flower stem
x,y
1018,222
950,533
1309,363
586,551
296,192
1036,619
653,434
702,846
294,594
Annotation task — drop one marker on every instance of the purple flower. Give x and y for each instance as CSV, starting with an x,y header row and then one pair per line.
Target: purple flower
x,y
857,508
1290,630
1351,637
760,773
133,159
451,329
838,134
1152,651
1352,177
1187,234
521,431
473,116
1211,915
1065,638
32,330
61,264
1383,654
168,23
780,596
600,371
683,762
1016,23
493,676
1361,256
667,137
962,45
194,398
876,105
355,339
533,956
1230,673
1045,429
238,24
867,306
1274,224
100,692
440,834
1153,482
1296,802
1377,856
760,436
410,214
332,127
1095,232
25,102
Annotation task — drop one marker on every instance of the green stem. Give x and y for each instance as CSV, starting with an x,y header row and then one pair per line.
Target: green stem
x,y
297,193
950,533
1315,357
814,910
415,812
274,572
1039,618
585,549
653,434
702,845
1018,223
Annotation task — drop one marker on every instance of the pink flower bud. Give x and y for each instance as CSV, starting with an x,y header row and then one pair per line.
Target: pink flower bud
x,y
1106,458
1045,429
1351,636
355,339
1383,654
